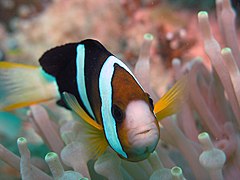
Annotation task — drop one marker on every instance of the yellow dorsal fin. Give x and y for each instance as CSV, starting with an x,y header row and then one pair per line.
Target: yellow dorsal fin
x,y
171,102
91,134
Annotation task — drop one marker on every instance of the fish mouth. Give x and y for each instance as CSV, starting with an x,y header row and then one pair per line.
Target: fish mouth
x,y
141,141
144,141
144,132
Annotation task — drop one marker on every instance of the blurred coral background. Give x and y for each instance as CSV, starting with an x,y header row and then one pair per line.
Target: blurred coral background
x,y
181,45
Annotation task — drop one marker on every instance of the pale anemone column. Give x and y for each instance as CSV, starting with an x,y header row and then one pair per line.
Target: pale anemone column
x,y
25,163
142,68
27,170
213,50
211,158
233,70
57,170
109,166
159,172
155,161
74,154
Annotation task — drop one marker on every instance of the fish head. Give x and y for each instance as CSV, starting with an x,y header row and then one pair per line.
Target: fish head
x,y
130,125
138,131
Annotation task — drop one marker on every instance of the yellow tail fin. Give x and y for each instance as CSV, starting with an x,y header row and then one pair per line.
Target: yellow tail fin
x,y
171,102
24,85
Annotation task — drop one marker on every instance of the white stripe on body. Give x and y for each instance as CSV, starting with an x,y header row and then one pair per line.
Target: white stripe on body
x,y
80,76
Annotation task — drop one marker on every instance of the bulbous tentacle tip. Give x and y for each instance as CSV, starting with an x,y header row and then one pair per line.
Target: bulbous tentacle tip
x,y
205,140
54,164
148,36
226,50
203,14
177,173
51,156
21,140
22,146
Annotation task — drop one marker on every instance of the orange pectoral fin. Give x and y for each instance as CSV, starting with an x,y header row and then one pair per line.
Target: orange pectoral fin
x,y
171,102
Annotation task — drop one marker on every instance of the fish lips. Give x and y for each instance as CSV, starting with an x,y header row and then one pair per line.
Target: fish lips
x,y
142,142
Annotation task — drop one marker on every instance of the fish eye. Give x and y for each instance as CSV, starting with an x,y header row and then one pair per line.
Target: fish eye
x,y
117,113
150,101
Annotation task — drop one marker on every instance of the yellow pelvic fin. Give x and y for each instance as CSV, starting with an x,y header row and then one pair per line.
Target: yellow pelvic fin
x,y
92,134
172,101
23,85
95,143
73,104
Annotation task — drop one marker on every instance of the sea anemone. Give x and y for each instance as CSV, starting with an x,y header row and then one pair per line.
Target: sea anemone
x,y
200,142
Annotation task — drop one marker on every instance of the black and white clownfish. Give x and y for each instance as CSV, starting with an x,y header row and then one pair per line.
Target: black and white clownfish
x,y
101,89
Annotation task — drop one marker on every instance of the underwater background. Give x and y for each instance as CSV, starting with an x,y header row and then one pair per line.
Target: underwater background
x,y
160,40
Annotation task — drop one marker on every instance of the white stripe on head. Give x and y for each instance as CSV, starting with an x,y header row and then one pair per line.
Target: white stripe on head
x,y
80,76
105,88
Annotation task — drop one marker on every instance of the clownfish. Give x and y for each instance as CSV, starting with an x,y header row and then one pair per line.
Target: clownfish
x,y
114,108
